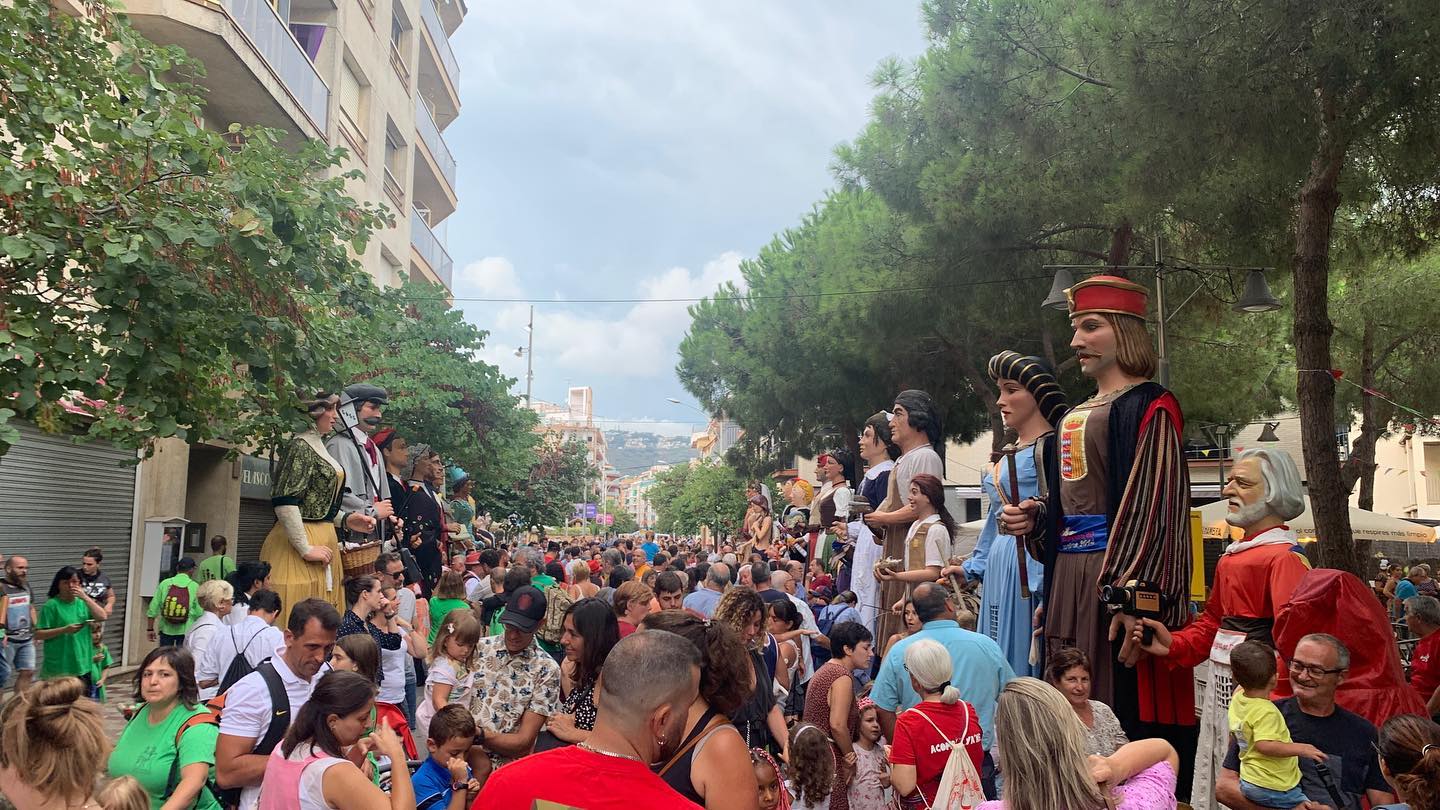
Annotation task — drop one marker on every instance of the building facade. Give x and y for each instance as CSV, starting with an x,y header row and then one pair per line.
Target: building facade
x,y
376,77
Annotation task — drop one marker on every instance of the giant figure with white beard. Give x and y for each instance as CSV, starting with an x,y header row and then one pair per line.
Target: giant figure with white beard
x,y
1253,579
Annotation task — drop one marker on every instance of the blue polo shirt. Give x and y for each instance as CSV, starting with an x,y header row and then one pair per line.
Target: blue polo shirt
x,y
431,783
981,671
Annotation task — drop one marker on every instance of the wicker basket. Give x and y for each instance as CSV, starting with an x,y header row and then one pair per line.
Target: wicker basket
x,y
360,560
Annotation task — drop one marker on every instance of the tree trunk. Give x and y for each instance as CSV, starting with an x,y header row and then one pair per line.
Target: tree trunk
x,y
1119,254
1315,387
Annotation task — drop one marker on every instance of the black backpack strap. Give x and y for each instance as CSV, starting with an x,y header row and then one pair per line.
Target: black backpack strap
x,y
279,708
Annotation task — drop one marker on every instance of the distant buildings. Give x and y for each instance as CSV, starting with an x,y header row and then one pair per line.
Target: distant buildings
x,y
575,421
634,495
718,437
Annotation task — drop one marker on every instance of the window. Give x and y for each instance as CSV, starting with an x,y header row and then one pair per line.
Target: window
x,y
354,97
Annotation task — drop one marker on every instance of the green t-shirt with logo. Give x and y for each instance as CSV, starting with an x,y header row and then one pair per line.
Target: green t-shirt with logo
x,y
216,566
67,653
147,752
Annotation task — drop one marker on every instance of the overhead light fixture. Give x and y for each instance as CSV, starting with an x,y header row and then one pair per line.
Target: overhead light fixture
x,y
1057,298
1268,434
1257,296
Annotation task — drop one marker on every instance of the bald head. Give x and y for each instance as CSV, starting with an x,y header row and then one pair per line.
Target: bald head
x,y
931,602
644,672
718,578
783,581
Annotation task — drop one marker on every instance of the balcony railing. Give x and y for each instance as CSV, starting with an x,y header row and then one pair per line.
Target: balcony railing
x,y
430,249
430,134
272,38
442,42
1432,486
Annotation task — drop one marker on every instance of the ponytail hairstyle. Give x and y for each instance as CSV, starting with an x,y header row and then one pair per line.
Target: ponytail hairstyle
x,y
934,492
246,576
356,587
930,666
726,675
464,628
1409,749
812,763
336,693
54,739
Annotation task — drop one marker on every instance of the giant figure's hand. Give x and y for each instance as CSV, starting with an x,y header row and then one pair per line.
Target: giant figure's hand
x,y
1019,519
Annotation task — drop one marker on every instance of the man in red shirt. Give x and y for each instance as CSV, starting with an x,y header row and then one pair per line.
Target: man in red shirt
x,y
1422,614
643,695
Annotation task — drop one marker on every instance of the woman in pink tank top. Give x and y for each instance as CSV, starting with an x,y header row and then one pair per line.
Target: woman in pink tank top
x,y
308,771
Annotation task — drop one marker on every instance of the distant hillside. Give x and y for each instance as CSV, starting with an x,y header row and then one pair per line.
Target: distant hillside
x,y
631,453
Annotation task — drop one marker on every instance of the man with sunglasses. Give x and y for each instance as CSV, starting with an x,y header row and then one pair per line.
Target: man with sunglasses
x,y
1351,769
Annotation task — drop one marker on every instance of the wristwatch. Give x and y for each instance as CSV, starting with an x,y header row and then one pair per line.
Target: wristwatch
x,y
459,786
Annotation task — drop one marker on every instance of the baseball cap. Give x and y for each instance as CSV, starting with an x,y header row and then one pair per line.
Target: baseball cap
x,y
524,610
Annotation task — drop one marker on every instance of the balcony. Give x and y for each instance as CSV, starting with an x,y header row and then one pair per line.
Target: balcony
x,y
439,152
428,247
440,42
256,72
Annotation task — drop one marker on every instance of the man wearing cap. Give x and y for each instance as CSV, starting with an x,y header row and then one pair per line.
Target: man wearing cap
x,y
1119,514
366,487
176,606
517,685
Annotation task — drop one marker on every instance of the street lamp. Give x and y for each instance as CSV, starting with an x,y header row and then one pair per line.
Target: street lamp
x,y
528,351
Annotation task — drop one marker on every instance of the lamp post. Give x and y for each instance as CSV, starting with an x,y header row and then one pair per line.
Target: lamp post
x,y
528,352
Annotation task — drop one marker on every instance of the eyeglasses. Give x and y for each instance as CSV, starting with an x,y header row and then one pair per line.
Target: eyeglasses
x,y
1313,670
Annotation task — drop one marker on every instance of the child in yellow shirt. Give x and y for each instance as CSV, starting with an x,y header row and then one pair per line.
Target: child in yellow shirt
x,y
1269,761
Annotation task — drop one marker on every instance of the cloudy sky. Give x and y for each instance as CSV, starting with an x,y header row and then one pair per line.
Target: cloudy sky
x,y
640,150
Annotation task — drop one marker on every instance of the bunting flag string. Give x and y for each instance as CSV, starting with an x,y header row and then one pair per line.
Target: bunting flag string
x,y
1339,374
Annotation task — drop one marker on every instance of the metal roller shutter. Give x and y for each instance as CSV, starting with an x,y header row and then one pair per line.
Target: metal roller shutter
x,y
256,520
59,498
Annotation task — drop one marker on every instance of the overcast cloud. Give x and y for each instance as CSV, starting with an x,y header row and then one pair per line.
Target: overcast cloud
x,y
627,149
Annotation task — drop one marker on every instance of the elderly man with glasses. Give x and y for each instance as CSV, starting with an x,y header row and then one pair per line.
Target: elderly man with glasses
x,y
1351,770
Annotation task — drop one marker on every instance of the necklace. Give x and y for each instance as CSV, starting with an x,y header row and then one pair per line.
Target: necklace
x,y
592,749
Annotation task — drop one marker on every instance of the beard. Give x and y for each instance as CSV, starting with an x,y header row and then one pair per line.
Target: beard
x,y
1248,515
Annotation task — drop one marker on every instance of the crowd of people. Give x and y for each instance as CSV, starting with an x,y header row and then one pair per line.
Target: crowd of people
x,y
836,653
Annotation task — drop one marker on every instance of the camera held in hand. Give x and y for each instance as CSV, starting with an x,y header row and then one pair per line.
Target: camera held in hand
x,y
1144,600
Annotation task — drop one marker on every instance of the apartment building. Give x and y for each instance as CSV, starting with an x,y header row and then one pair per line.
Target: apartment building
x,y
377,77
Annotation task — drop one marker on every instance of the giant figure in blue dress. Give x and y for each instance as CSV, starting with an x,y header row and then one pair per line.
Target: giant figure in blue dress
x,y
1031,404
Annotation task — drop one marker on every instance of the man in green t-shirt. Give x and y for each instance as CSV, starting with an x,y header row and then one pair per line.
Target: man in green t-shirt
x,y
217,565
175,605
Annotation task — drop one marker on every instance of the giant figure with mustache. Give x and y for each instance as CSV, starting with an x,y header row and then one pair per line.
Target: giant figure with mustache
x,y
1120,514
1255,576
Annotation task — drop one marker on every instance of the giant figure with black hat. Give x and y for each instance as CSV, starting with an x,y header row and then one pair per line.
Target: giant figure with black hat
x,y
1116,528
302,548
367,489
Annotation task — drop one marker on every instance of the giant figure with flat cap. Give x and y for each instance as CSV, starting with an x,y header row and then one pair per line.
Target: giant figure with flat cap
x,y
1120,516
307,495
367,488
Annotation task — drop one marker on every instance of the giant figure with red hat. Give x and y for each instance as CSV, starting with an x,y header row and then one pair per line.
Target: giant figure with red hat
x,y
1119,517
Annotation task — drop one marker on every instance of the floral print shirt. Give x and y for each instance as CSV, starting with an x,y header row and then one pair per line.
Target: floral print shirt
x,y
509,684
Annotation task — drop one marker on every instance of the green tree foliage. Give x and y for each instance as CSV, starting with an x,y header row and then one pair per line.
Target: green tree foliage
x,y
688,496
423,352
560,477
165,278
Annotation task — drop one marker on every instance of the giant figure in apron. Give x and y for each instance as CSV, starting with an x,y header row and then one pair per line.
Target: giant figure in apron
x,y
1254,578
917,430
1120,514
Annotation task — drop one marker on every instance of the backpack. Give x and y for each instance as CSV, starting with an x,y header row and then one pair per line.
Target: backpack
x,y
960,787
274,733
239,665
557,601
203,718
176,607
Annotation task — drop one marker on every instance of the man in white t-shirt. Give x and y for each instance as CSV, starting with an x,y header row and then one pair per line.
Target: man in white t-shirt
x,y
255,636
786,584
249,713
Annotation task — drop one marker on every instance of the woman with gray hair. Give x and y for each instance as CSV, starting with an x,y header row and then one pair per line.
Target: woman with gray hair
x,y
1255,576
217,597
423,516
925,733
